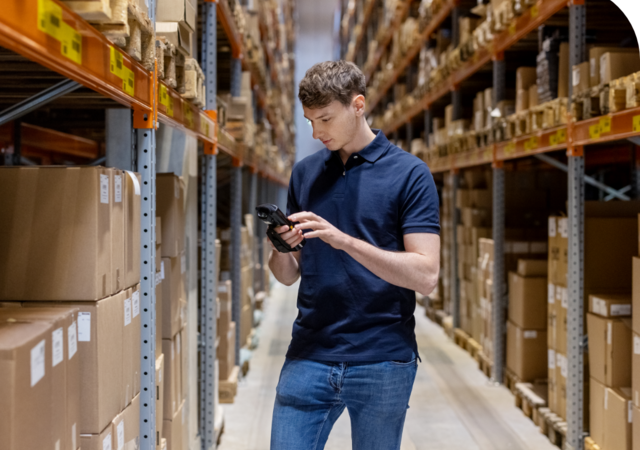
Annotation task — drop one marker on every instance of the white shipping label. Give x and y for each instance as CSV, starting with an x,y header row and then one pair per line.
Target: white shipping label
x,y
576,76
563,227
84,327
620,310
630,412
592,67
135,301
136,183
127,311
37,362
609,332
223,288
178,343
551,293
552,359
606,398
565,298
73,341
117,182
73,436
57,338
104,189
158,278
552,227
121,435
636,345
595,305
57,446
530,334
183,263
106,443
162,270
563,366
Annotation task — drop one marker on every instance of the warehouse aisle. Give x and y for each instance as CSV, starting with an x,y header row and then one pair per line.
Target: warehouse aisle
x,y
453,406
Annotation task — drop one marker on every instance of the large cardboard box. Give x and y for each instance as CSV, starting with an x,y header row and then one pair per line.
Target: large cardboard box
x,y
224,307
101,441
74,263
614,65
635,370
159,318
170,394
100,341
179,34
609,350
561,384
580,78
117,230
551,378
159,398
617,419
126,427
227,352
532,267
131,344
172,429
527,352
635,429
26,387
65,368
172,294
525,77
595,53
528,301
177,11
597,392
132,229
170,204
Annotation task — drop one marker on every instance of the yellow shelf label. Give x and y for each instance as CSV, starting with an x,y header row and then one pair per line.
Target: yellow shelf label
x,y
535,11
562,135
116,62
128,81
605,124
50,22
553,139
512,29
169,106
164,96
188,116
206,128
488,155
636,124
594,131
510,148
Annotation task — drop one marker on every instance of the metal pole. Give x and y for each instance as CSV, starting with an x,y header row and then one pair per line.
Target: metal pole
x,y
499,298
236,76
499,80
577,39
147,168
38,100
236,224
253,199
455,290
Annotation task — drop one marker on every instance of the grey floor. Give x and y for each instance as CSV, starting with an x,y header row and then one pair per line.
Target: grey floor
x,y
452,407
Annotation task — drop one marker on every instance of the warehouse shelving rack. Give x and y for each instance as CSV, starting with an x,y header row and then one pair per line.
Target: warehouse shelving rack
x,y
571,138
48,33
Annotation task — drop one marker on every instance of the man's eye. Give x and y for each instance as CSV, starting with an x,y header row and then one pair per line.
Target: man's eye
x,y
326,120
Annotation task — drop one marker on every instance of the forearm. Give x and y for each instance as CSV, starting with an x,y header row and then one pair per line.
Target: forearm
x,y
405,269
284,267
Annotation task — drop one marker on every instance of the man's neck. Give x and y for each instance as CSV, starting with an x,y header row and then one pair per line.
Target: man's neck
x,y
363,138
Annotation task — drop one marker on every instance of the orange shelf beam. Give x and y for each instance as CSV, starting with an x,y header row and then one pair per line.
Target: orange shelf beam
x,y
50,141
228,23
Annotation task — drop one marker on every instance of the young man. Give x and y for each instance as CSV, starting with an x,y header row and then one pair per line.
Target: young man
x,y
369,212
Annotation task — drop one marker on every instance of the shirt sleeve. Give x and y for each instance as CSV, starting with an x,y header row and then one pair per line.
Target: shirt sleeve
x,y
420,208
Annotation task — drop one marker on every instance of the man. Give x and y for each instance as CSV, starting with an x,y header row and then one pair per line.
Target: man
x,y
369,212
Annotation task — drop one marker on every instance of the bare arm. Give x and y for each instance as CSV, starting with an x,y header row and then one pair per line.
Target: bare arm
x,y
285,266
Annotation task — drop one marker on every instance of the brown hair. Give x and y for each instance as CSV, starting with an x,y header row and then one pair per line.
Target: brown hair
x,y
329,81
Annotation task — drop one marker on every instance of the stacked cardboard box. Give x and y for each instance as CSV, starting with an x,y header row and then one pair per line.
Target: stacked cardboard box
x,y
84,281
176,22
446,235
635,358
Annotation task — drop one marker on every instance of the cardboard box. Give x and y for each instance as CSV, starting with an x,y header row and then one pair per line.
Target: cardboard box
x,y
171,378
159,318
532,267
551,378
475,217
62,345
533,96
26,388
226,352
177,11
172,429
101,441
522,100
595,53
610,305
635,370
179,34
159,398
126,427
551,318
184,364
117,230
527,352
635,294
614,65
596,406
635,428
528,301
609,349
131,345
170,207
525,78
563,67
100,340
561,384
172,293
580,78
178,369
132,191
246,324
618,417
561,305
36,264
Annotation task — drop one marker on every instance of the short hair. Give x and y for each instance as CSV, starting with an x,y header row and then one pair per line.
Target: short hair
x,y
331,80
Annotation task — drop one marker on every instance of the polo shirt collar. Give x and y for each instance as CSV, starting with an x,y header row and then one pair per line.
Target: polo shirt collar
x,y
371,152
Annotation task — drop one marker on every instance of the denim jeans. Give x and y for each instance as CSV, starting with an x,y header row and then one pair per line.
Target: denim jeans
x,y
311,395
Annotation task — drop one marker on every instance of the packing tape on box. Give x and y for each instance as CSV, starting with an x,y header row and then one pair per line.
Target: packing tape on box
x,y
136,184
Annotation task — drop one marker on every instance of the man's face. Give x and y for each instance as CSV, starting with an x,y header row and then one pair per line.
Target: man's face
x,y
334,125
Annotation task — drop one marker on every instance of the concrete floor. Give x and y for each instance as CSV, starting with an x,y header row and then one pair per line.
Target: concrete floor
x,y
453,406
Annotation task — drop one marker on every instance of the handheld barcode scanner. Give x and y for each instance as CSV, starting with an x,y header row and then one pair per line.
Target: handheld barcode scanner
x,y
272,216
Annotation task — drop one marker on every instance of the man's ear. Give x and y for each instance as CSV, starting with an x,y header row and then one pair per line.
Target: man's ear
x,y
359,104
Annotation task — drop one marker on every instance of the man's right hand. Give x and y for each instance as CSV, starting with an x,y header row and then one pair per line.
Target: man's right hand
x,y
291,237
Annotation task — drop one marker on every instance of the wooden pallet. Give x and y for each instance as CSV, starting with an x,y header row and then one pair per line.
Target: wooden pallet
x,y
549,114
474,348
447,325
229,388
589,444
484,364
530,397
554,427
538,416
460,338
510,381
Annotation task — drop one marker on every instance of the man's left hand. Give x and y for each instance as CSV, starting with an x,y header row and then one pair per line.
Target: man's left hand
x,y
321,229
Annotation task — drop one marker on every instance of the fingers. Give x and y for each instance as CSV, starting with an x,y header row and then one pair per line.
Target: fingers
x,y
304,215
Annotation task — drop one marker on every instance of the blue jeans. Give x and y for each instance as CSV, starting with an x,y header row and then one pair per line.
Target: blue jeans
x,y
311,395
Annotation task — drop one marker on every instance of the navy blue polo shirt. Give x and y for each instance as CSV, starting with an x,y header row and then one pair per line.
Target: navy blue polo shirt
x,y
346,313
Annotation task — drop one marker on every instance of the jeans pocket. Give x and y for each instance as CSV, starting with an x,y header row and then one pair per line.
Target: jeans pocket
x,y
411,363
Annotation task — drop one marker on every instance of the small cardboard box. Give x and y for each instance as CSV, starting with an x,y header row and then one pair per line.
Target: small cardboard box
x,y
580,78
131,344
595,53
609,349
227,352
533,96
522,100
184,11
610,305
614,65
126,427
26,388
170,207
172,293
525,78
528,301
172,429
618,418
635,428
527,352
